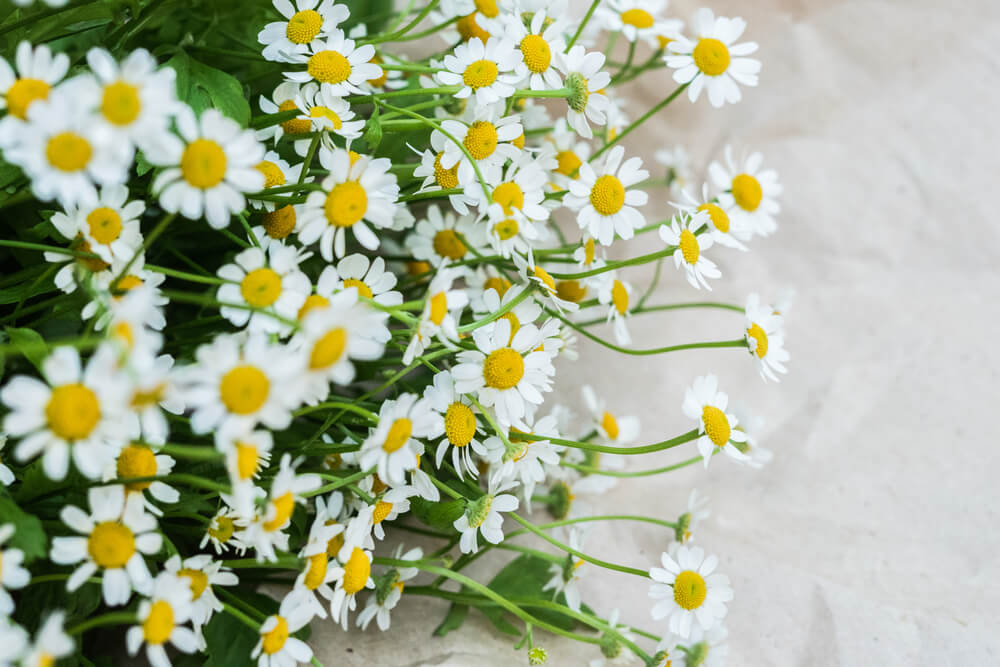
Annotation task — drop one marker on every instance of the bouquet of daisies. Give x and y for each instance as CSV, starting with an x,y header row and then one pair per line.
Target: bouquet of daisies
x,y
285,290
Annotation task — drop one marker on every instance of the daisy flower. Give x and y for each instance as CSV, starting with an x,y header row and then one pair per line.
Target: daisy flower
x,y
222,531
269,285
765,336
704,403
689,593
389,506
13,574
202,572
369,277
616,296
336,61
522,459
276,225
113,538
526,312
604,203
161,619
276,647
359,190
154,392
266,532
327,112
438,177
441,238
354,572
483,516
6,474
712,59
389,589
614,429
682,233
75,412
585,80
313,581
538,45
390,447
720,226
547,291
640,20
456,422
566,575
489,139
277,172
305,21
51,643
443,306
109,226
242,379
590,257
37,72
483,70
284,98
571,152
749,193
520,194
208,168
138,460
247,452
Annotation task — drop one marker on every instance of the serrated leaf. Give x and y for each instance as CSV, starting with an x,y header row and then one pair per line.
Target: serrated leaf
x,y
201,86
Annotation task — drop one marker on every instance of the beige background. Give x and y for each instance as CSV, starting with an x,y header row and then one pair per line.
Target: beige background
x,y
871,539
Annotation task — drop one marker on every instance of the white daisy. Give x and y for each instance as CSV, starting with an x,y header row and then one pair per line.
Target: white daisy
x,y
485,71
109,227
547,291
276,647
13,574
526,312
640,20
51,643
617,294
284,98
689,591
389,506
390,447
538,44
161,618
524,460
585,80
114,537
604,203
438,177
277,172
202,573
520,194
488,136
570,153
765,336
483,516
440,238
76,411
389,589
749,193
208,168
712,59
38,70
268,285
720,226
456,422
154,391
683,233
443,305
267,531
369,277
247,452
613,429
276,225
704,403
313,582
336,61
327,112
137,460
697,511
305,21
224,531
354,572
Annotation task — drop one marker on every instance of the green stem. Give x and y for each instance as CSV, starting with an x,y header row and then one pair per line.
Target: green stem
x,y
583,24
349,407
642,119
589,470
161,227
579,554
610,449
339,483
114,618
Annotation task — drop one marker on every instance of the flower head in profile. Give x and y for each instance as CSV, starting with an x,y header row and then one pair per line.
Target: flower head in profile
x,y
585,81
685,233
704,403
483,516
765,336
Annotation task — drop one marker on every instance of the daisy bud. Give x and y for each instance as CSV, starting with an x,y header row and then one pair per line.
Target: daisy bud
x,y
559,501
611,646
537,655
576,84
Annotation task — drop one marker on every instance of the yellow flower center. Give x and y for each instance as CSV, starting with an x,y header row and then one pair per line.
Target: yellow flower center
x,y
346,204
689,590
607,195
278,224
45,660
295,125
68,151
711,56
459,424
283,505
123,332
328,349
536,53
480,74
716,425
22,93
273,176
380,80
571,290
720,220
136,461
588,252
418,268
356,571
546,279
503,368
439,308
120,103
689,247
481,139
247,460
329,67
468,29
747,192
510,196
304,26
398,435
145,398
446,178
105,224
381,511
244,389
222,529
203,164
619,296
335,543
501,285
159,624
638,18
760,336
569,163
506,229
316,572
487,8
73,411
110,545
329,114
261,287
274,639
129,282
198,581
610,425
312,302
447,244
663,40
363,289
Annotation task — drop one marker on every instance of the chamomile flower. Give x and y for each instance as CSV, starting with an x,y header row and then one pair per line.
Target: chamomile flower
x,y
570,153
456,422
438,177
161,619
483,70
208,168
439,318
51,643
389,506
276,225
313,581
539,44
241,379
720,226
270,288
520,195
704,403
440,238
75,413
690,246
335,60
138,460
389,589
276,646
765,336
369,277
113,538
266,532
523,459
277,172
546,290
620,430
687,523
488,137
617,295
305,21
589,256
390,447
284,98
749,193
12,575
38,70
154,391
225,531
483,516
604,203
109,226
640,20
359,191
247,452
327,112
585,80
566,575
524,311
201,573
354,572
688,591
507,374
712,60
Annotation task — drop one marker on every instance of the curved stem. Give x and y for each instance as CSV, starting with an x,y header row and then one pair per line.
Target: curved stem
x,y
579,554
610,449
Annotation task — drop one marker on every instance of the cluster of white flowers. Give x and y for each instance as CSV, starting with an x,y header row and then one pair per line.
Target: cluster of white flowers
x,y
339,283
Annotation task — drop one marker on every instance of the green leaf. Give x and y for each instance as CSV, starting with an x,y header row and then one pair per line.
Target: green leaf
x,y
523,579
201,87
439,515
30,343
28,535
453,620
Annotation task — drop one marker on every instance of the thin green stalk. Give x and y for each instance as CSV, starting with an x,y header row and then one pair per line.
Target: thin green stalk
x,y
583,24
611,449
339,483
642,119
579,554
589,470
161,227
114,618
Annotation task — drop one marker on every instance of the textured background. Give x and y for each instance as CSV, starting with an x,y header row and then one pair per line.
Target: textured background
x,y
871,539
